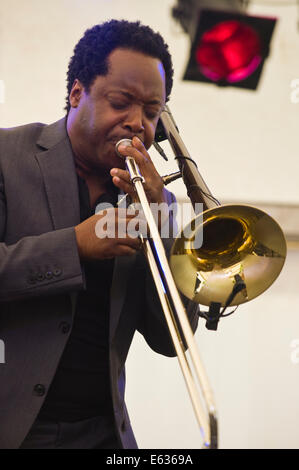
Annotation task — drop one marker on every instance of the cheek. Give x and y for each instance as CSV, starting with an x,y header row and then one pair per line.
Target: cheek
x,y
97,126
109,126
98,122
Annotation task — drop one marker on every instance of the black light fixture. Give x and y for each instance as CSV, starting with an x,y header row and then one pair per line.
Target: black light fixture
x,y
228,47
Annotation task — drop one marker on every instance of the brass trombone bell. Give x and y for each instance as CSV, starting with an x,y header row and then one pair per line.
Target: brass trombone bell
x,y
236,240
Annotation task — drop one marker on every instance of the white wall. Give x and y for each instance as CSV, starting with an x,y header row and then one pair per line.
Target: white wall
x,y
246,146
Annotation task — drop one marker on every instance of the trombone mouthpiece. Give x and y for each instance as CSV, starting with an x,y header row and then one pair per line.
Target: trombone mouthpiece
x,y
126,142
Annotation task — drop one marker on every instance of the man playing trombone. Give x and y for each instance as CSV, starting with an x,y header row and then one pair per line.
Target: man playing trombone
x,y
71,300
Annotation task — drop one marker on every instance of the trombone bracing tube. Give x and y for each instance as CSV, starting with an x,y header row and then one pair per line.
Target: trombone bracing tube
x,y
196,186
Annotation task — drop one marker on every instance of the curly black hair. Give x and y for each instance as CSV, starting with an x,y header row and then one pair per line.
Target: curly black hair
x,y
91,53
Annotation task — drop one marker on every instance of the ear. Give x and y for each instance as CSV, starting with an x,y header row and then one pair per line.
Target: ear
x,y
76,93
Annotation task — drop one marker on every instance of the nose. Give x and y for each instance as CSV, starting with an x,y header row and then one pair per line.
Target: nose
x,y
134,120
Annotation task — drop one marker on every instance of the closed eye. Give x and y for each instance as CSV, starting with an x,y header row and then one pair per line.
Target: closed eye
x,y
152,114
118,104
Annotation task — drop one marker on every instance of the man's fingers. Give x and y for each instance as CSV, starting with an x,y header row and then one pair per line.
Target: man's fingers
x,y
122,225
136,151
139,145
121,174
123,185
125,250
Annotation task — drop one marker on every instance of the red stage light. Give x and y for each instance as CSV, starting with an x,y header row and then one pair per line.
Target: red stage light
x,y
230,51
229,48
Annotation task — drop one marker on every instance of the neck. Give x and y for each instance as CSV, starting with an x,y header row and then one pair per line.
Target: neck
x,y
97,185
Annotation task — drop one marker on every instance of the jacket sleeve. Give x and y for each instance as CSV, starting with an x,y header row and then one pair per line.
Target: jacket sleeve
x,y
37,265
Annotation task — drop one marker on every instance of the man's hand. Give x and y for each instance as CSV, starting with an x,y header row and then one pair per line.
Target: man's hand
x,y
153,184
99,238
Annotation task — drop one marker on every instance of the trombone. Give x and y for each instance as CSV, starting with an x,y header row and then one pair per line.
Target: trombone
x,y
242,253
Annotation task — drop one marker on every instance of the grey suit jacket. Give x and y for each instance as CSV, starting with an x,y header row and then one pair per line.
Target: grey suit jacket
x,y
40,274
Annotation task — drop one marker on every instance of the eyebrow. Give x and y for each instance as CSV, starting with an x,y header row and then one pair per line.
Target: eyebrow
x,y
131,96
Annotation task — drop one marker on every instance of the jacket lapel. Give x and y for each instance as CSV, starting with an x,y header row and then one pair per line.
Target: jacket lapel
x,y
56,161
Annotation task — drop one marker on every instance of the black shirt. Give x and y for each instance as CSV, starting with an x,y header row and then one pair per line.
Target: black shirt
x,y
81,385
